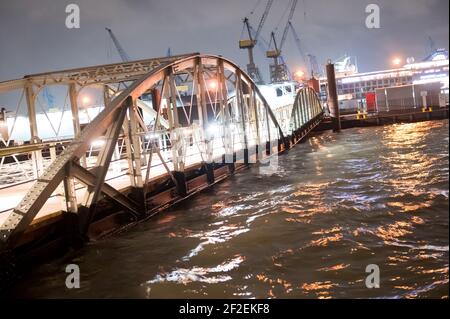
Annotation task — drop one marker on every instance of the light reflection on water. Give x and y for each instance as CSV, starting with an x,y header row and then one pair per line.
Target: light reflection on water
x,y
338,203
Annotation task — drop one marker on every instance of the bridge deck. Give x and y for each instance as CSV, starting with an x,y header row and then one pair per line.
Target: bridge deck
x,y
117,177
231,117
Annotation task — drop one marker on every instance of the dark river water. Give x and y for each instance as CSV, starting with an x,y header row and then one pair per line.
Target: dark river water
x,y
337,203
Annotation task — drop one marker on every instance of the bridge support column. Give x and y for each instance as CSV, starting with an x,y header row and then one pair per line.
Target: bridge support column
x,y
246,156
73,96
209,168
93,192
71,218
228,160
181,185
268,148
279,146
135,145
332,97
241,104
38,167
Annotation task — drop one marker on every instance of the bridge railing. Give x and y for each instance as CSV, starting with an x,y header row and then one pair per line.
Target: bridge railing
x,y
195,110
192,121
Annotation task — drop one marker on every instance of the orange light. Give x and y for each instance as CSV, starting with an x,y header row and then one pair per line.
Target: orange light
x,y
213,84
85,100
397,61
300,74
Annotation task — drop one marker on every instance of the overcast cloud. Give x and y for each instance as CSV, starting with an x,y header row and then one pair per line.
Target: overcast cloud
x,y
33,36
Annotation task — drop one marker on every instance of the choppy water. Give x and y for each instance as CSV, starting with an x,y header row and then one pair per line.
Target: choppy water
x,y
338,203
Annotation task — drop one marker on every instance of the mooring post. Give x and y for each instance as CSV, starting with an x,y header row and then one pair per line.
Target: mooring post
x,y
333,102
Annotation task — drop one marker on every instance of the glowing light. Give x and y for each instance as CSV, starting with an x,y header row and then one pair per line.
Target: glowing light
x,y
396,61
97,143
300,74
213,84
85,100
151,136
214,129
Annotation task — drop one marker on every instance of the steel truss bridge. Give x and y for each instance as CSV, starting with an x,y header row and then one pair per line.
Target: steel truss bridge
x,y
168,127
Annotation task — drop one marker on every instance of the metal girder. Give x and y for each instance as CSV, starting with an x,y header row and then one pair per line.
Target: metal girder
x,y
12,85
241,106
19,219
306,107
112,119
152,112
103,161
201,107
36,155
134,141
107,73
176,135
88,178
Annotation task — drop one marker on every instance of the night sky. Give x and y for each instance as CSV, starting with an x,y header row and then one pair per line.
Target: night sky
x,y
34,38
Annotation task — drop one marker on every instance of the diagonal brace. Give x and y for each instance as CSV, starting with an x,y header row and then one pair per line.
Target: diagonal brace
x,y
89,178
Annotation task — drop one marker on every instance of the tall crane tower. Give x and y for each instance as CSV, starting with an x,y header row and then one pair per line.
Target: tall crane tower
x,y
278,71
123,55
250,43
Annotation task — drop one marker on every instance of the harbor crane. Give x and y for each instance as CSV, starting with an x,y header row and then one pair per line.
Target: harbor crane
x,y
298,44
123,55
315,70
309,59
250,43
126,58
278,71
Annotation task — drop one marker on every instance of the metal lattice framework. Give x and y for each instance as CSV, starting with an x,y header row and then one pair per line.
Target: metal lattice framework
x,y
204,110
307,107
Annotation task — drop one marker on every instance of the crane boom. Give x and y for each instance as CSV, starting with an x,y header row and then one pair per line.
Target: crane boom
x,y
263,18
277,52
250,43
279,71
286,28
314,65
298,43
123,55
125,58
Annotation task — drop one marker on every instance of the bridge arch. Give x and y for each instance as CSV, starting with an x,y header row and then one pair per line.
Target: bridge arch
x,y
204,109
307,110
245,122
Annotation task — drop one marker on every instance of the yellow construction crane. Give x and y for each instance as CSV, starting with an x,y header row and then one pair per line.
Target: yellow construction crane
x,y
278,71
250,43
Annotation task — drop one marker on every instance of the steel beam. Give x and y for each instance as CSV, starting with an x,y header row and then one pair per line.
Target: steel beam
x,y
34,133
106,73
90,179
202,108
111,120
102,165
133,135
